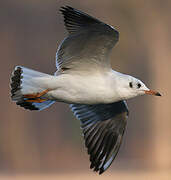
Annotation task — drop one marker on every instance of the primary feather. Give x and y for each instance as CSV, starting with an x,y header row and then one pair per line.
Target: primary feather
x,y
103,126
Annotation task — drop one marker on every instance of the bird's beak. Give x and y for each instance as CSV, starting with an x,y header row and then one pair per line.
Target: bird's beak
x,y
151,92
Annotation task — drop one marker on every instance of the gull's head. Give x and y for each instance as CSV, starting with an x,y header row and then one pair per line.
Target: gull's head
x,y
132,87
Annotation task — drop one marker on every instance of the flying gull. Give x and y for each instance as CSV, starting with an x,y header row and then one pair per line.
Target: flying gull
x,y
85,80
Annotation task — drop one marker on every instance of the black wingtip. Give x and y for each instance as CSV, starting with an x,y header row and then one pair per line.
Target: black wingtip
x,y
75,19
101,171
66,7
158,94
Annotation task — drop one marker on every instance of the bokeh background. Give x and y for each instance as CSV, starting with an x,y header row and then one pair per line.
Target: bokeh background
x,y
48,144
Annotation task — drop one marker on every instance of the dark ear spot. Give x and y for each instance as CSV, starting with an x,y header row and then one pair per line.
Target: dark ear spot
x,y
138,85
130,85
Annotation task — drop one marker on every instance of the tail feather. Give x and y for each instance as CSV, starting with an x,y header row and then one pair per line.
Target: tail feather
x,y
22,83
16,83
35,106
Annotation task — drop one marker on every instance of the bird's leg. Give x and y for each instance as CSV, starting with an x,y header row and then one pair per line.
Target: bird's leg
x,y
36,97
38,100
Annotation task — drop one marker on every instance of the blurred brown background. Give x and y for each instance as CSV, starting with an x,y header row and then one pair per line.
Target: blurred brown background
x,y
50,142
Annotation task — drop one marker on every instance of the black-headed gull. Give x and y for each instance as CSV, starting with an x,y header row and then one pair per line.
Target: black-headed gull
x,y
85,80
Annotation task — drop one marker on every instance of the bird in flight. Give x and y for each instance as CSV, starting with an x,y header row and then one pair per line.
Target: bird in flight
x,y
85,80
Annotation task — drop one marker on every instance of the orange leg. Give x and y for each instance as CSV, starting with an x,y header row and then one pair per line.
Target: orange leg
x,y
36,100
36,97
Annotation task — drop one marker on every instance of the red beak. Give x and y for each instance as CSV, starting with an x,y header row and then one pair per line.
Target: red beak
x,y
152,92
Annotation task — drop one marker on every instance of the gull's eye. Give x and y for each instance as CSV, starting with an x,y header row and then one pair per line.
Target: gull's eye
x,y
130,85
138,85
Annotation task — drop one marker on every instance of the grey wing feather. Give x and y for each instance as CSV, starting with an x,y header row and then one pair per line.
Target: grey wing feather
x,y
88,43
103,126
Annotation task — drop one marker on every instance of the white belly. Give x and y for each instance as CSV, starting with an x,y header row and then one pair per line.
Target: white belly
x,y
82,89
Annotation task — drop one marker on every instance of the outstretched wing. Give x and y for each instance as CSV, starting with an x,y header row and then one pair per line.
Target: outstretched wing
x,y
103,127
88,43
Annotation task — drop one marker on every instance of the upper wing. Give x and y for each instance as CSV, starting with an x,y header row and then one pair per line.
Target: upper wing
x,y
103,127
88,43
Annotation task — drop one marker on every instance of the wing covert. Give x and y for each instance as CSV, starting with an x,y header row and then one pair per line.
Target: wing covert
x,y
88,43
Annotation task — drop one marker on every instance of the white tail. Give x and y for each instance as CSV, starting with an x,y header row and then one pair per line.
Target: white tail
x,y
27,81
